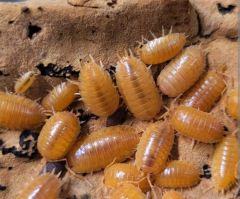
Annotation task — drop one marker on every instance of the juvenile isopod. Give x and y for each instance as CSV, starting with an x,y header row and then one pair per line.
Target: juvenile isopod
x,y
154,147
122,172
182,72
205,92
101,148
162,49
197,124
42,187
178,174
137,87
232,103
127,191
97,89
60,97
225,163
19,113
58,135
172,195
24,82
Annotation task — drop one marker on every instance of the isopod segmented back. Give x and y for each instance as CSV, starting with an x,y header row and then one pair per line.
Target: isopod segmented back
x,y
137,87
60,97
199,125
58,135
97,89
225,163
182,72
97,150
178,174
205,92
19,113
162,49
154,147
24,82
232,103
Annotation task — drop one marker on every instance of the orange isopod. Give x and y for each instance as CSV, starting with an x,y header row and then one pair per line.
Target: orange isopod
x,y
123,172
178,174
197,124
225,163
101,148
232,103
42,187
137,87
172,195
25,82
162,49
60,97
19,113
154,147
127,191
97,89
182,72
206,92
58,135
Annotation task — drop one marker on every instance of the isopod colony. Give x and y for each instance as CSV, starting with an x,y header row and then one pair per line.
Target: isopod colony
x,y
182,80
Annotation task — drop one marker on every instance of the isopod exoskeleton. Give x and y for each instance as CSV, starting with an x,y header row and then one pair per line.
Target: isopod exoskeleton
x,y
97,90
97,150
19,112
137,87
154,147
42,187
232,103
172,195
25,82
60,97
225,163
162,49
182,72
127,191
178,174
199,125
122,172
58,135
205,92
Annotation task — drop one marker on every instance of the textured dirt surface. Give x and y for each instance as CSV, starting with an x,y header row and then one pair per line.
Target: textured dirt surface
x,y
59,33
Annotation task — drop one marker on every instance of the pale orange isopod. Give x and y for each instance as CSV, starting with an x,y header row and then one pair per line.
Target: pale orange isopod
x,y
25,82
99,149
154,147
182,72
137,87
162,49
205,92
225,163
97,89
58,135
60,97
197,124
19,112
122,172
42,187
178,174
172,195
127,191
232,103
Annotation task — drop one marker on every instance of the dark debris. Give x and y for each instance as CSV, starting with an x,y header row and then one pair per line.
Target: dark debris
x,y
53,70
33,30
3,188
84,117
56,168
206,172
225,10
118,117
